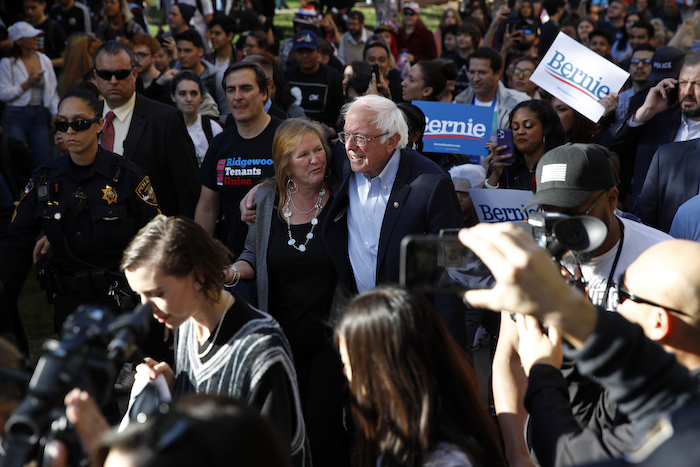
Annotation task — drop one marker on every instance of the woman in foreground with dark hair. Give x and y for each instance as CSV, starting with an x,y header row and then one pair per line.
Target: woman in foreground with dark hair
x,y
222,344
536,129
415,399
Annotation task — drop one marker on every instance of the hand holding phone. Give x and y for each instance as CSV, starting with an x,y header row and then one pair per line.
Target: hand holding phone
x,y
505,138
441,264
374,68
672,96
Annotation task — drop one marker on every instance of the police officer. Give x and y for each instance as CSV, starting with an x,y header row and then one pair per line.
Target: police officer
x,y
89,204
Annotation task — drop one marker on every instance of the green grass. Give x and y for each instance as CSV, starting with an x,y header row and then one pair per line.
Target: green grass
x,y
36,315
283,18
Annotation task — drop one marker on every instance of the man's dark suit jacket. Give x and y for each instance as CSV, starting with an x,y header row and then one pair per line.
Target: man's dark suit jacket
x,y
422,201
159,144
636,147
673,178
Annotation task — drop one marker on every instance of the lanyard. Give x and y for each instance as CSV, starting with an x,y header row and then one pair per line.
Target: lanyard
x,y
614,266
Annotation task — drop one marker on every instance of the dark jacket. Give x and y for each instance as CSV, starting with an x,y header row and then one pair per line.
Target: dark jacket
x,y
636,146
673,178
159,144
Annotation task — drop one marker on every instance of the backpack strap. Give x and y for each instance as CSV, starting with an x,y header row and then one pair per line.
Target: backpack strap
x,y
206,126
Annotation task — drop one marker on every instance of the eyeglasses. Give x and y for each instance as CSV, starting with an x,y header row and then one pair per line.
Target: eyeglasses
x,y
119,74
590,208
78,125
524,73
637,61
409,13
359,140
624,294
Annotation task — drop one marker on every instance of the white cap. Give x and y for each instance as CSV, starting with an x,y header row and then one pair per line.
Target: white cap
x,y
472,172
23,30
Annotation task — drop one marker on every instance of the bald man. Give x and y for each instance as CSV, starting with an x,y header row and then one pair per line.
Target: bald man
x,y
659,295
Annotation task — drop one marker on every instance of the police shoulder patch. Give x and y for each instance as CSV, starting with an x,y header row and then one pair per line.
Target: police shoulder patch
x,y
144,190
28,188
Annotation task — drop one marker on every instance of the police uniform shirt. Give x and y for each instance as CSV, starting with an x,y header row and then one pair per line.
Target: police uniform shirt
x,y
97,208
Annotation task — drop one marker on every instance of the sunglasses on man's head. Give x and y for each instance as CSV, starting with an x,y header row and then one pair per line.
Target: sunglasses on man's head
x,y
119,74
78,125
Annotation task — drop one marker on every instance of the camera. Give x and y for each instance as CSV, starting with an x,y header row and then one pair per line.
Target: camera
x,y
441,264
94,344
559,233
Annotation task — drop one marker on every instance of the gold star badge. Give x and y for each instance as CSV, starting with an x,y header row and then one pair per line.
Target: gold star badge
x,y
109,195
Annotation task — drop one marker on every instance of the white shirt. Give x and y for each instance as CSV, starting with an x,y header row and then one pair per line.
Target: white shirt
x,y
13,73
637,238
121,122
689,129
220,67
199,138
368,200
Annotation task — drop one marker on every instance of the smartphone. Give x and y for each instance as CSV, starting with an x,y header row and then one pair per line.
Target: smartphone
x,y
505,138
672,96
374,68
441,264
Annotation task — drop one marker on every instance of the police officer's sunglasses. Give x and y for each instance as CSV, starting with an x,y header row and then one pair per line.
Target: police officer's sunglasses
x,y
78,125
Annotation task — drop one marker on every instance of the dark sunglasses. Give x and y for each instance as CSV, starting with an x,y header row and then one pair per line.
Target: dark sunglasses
x,y
637,61
78,125
525,73
119,74
624,294
409,13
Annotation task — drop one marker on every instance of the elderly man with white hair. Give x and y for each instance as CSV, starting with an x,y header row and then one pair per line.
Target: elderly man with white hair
x,y
387,192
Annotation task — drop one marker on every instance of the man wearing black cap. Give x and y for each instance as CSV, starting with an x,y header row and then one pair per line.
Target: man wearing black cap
x,y
319,88
574,179
637,137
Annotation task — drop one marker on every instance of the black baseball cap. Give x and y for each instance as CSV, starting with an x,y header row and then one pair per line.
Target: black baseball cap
x,y
567,175
666,63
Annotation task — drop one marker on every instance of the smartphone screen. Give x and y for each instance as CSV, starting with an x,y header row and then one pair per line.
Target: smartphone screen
x,y
672,96
505,138
440,264
375,71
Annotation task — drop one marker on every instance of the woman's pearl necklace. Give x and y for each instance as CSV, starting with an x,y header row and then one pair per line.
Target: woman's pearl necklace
x,y
287,214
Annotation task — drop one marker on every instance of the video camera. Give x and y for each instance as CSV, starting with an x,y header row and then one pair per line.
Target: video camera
x,y
94,344
441,264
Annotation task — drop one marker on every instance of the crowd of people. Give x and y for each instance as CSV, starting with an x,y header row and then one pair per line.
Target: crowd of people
x,y
255,189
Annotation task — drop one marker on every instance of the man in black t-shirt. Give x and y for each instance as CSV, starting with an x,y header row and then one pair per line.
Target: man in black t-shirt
x,y
318,88
53,41
240,157
72,16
